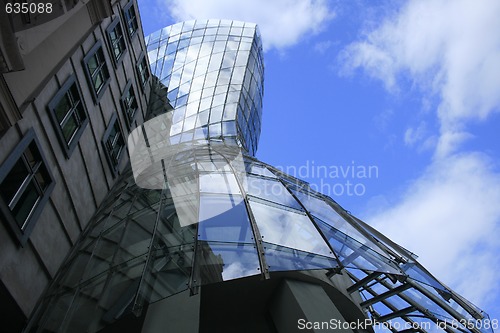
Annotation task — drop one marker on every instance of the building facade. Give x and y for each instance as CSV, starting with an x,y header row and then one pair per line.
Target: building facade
x,y
197,235
74,81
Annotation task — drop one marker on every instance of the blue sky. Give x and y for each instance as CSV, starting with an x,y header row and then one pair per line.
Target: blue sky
x,y
408,90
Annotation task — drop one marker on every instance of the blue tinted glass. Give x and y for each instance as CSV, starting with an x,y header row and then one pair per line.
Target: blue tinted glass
x,y
216,261
280,258
224,218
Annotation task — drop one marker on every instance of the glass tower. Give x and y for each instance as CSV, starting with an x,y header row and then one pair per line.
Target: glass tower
x,y
199,220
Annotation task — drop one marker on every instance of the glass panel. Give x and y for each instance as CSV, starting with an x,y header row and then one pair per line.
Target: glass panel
x,y
80,112
62,108
229,128
92,64
219,183
354,254
271,190
74,273
168,272
85,315
104,252
173,234
13,181
98,81
52,319
260,170
416,273
215,130
280,258
283,227
222,262
224,219
122,288
42,177
224,209
327,214
69,128
135,242
25,204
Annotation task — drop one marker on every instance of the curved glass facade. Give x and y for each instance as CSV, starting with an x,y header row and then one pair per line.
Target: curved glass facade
x,y
214,71
244,218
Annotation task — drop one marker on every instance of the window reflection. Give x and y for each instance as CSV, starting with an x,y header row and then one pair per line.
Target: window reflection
x,y
290,229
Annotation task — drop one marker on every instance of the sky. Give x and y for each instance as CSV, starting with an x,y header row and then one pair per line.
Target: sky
x,y
390,107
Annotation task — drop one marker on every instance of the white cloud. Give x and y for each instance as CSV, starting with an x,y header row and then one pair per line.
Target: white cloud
x,y
323,46
449,217
282,22
414,135
449,48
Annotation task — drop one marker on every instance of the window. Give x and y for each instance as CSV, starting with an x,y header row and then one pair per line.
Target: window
x,y
129,104
142,69
114,144
25,186
116,40
130,18
68,115
96,70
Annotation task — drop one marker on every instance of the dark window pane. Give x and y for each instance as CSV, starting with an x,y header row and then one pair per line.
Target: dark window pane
x,y
62,108
32,155
25,204
69,113
80,112
12,183
129,104
117,51
42,177
131,19
98,82
92,64
117,41
114,144
75,95
69,128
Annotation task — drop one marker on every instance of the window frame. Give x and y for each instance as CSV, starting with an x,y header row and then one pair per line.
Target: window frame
x,y
22,233
142,58
113,26
127,18
125,107
68,147
113,163
95,51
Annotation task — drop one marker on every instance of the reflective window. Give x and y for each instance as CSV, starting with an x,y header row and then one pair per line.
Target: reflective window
x,y
116,40
68,115
281,258
224,218
130,17
142,70
25,186
129,104
287,228
355,254
271,190
218,183
114,144
218,261
96,70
